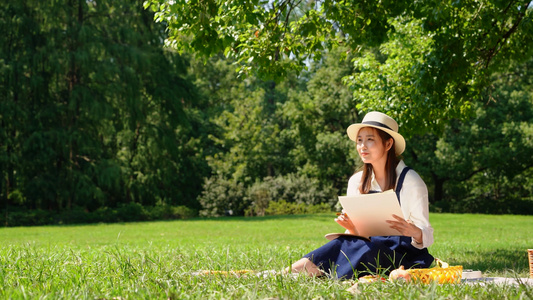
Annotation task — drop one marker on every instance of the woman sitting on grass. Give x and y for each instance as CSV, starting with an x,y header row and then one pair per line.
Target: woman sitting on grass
x,y
379,144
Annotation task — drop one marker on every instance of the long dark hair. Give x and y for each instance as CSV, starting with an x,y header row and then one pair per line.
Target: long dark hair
x,y
390,167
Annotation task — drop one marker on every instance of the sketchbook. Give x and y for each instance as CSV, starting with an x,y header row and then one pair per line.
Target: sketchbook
x,y
369,213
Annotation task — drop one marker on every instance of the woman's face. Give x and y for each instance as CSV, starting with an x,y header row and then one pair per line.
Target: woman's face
x,y
370,146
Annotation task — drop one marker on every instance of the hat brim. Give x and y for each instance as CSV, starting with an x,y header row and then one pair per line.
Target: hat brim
x,y
399,141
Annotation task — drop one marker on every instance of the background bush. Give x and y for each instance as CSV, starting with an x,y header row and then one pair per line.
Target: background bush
x,y
124,213
283,207
221,197
291,194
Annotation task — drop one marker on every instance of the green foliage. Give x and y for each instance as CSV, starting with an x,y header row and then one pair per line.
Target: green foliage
x,y
319,114
297,188
262,35
95,113
19,217
310,141
227,197
131,212
483,163
266,130
283,207
388,79
292,194
487,205
98,119
434,58
221,197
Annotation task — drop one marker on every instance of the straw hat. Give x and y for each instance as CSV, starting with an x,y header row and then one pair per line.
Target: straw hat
x,y
380,121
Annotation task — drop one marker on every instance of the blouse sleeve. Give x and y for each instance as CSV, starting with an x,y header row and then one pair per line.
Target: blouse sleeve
x,y
415,207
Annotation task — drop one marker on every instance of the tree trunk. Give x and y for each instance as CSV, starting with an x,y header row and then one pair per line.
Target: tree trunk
x,y
438,189
73,80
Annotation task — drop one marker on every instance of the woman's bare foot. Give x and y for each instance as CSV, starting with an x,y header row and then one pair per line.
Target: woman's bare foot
x,y
304,265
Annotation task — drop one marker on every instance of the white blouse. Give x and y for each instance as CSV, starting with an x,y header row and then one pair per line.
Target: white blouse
x,y
413,198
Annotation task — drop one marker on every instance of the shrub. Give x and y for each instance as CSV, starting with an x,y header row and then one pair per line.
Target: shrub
x,y
484,205
131,212
167,212
221,197
78,215
283,207
22,217
299,189
259,195
295,194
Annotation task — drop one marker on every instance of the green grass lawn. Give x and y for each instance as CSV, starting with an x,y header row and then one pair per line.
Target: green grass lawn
x,y
155,260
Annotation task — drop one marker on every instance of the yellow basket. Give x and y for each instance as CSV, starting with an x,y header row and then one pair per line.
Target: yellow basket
x,y
440,275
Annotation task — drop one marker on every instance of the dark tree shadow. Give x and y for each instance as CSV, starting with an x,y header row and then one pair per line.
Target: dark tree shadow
x,y
497,260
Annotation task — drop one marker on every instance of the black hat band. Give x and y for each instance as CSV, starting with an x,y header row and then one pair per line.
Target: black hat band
x,y
377,124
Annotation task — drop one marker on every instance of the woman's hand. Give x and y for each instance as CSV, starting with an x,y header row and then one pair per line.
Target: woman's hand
x,y
406,228
345,222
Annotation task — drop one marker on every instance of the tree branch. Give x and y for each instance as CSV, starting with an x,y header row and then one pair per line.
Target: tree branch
x,y
474,172
499,44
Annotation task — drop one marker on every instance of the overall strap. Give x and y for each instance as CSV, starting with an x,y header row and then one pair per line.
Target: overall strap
x,y
400,182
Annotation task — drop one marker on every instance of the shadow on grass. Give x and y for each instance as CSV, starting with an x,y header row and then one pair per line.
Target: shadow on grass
x,y
497,260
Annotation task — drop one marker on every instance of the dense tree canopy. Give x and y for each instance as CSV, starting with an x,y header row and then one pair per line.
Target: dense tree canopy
x,y
478,164
430,64
97,115
94,112
421,60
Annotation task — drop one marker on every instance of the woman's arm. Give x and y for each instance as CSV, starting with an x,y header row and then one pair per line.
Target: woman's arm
x,y
415,208
407,228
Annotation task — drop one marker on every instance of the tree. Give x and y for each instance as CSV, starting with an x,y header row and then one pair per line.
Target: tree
x,y
318,116
482,164
465,42
96,112
260,141
246,121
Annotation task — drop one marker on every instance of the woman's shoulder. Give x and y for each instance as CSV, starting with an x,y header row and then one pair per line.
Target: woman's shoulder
x,y
356,177
413,178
